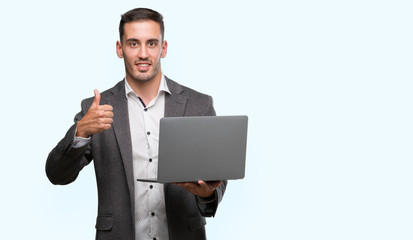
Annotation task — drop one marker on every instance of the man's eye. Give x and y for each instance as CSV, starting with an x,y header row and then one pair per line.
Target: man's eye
x,y
152,44
133,44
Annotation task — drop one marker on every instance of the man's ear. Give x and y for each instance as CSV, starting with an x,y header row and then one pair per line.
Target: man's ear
x,y
119,50
164,49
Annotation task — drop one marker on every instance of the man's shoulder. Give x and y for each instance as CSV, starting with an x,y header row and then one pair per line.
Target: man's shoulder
x,y
196,103
119,88
176,88
115,90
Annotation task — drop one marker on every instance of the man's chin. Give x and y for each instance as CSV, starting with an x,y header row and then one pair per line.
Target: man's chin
x,y
143,78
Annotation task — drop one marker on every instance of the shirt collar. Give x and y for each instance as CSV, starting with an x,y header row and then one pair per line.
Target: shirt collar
x,y
163,87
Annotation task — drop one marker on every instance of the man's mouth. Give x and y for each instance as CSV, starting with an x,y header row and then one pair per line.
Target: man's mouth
x,y
143,66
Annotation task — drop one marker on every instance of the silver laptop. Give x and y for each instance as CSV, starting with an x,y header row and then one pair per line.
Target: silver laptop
x,y
201,148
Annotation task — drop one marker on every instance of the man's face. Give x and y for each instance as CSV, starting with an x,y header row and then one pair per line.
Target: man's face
x,y
142,50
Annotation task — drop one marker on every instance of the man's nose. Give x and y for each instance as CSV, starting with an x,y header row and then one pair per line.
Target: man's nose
x,y
143,52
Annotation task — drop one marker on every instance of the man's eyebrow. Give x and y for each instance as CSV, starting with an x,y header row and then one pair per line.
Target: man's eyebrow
x,y
136,40
153,40
132,40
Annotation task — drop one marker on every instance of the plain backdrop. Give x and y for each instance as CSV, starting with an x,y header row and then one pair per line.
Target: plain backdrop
x,y
327,86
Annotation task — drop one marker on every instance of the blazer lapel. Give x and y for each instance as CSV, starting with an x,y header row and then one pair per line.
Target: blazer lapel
x,y
122,133
175,103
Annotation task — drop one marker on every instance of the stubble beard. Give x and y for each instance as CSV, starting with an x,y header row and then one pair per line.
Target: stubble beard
x,y
141,76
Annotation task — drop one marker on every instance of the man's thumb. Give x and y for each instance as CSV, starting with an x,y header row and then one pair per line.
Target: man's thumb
x,y
96,101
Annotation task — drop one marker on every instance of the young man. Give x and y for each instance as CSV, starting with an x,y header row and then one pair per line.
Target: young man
x,y
119,130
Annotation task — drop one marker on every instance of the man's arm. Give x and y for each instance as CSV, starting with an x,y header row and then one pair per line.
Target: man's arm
x,y
209,208
208,195
65,161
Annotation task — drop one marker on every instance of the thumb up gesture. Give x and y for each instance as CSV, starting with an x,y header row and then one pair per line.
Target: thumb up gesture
x,y
97,119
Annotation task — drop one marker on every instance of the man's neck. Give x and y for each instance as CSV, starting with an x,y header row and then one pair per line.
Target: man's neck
x,y
146,90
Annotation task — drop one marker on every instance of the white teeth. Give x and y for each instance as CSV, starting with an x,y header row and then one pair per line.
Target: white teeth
x,y
143,65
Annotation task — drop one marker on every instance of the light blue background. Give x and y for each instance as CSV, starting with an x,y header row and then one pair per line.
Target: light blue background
x,y
327,86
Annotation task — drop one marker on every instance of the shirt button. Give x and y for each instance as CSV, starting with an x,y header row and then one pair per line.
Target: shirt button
x,y
149,133
150,186
145,109
153,214
150,159
154,238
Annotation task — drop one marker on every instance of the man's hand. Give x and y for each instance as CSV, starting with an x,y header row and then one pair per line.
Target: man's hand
x,y
201,188
97,119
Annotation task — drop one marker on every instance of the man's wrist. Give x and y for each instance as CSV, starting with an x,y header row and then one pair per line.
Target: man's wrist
x,y
80,141
79,132
209,199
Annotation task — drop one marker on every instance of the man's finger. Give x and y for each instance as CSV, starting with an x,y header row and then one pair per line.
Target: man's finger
x,y
106,107
210,184
215,184
96,101
200,182
108,114
204,185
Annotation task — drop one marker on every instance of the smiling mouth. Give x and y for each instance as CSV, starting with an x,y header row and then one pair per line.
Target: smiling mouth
x,y
143,67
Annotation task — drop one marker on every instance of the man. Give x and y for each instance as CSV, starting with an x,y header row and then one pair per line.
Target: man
x,y
119,130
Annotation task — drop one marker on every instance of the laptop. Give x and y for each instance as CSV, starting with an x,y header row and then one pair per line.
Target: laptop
x,y
208,148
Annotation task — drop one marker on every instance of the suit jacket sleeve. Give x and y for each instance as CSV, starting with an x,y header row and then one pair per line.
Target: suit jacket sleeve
x,y
209,209
65,162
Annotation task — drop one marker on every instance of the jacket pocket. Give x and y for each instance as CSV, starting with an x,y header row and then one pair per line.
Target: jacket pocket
x,y
104,222
196,223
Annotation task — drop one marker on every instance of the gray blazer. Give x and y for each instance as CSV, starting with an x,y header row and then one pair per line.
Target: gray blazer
x,y
111,151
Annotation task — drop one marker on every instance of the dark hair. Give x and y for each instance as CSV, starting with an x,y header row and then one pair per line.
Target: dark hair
x,y
139,14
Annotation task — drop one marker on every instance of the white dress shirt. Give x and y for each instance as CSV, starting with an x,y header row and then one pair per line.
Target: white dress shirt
x,y
150,213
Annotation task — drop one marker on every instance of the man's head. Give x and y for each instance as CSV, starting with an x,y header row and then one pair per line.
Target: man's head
x,y
141,44
140,14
